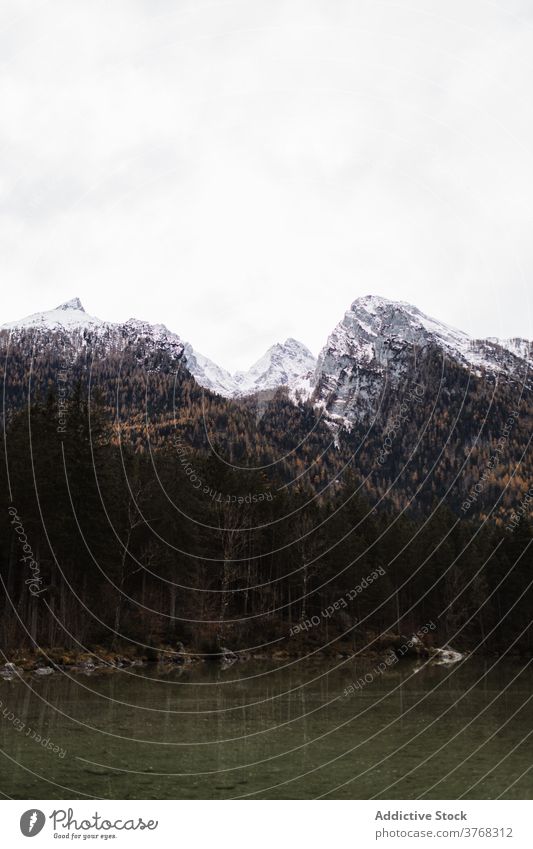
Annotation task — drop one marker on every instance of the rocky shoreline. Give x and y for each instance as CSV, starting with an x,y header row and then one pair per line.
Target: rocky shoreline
x,y
46,661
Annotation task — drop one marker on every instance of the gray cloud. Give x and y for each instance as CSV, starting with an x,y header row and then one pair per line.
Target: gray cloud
x,y
243,171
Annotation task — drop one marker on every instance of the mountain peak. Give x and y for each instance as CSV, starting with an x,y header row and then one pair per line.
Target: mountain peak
x,y
374,316
374,304
380,341
288,363
295,345
69,316
73,304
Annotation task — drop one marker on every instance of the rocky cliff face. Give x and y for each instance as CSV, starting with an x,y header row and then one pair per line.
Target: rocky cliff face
x,y
379,346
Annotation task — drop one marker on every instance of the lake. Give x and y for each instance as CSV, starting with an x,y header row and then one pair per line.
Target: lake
x,y
271,730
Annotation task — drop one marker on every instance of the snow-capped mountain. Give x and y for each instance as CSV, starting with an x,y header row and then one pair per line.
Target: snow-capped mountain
x,y
282,365
68,316
379,343
69,326
208,374
289,364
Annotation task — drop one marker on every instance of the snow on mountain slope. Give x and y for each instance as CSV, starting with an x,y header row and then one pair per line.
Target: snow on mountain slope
x,y
68,316
208,374
69,325
522,348
378,341
288,364
374,325
281,365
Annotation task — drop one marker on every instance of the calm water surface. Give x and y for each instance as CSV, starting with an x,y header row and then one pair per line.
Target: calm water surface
x,y
266,730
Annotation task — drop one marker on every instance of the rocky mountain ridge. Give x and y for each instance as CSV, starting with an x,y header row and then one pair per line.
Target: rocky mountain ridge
x,y
378,344
69,325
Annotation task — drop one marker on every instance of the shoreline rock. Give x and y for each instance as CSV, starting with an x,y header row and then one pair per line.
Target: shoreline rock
x,y
44,662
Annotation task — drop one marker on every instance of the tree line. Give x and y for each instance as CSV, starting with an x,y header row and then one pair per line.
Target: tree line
x,y
203,537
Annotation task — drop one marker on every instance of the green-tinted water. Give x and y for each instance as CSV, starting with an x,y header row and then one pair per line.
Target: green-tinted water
x,y
271,731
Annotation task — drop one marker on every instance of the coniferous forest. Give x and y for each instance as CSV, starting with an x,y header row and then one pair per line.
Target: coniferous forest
x,y
161,516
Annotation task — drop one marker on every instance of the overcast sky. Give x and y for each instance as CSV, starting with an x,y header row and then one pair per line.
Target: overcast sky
x,y
242,171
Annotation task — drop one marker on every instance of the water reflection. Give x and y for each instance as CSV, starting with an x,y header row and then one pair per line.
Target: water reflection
x,y
261,730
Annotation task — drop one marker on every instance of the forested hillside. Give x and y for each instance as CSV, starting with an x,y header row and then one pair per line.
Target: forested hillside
x,y
160,513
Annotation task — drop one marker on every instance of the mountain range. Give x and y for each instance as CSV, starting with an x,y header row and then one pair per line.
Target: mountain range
x,y
182,502
378,343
